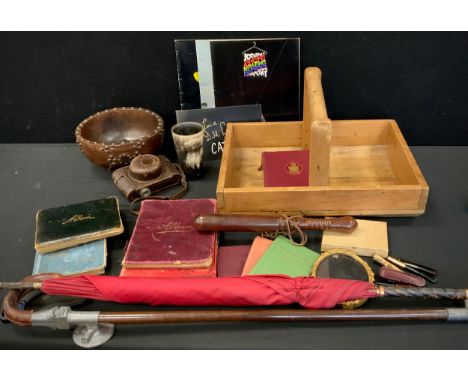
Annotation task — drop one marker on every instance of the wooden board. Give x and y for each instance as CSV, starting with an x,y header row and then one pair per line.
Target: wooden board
x,y
369,238
317,128
349,165
340,199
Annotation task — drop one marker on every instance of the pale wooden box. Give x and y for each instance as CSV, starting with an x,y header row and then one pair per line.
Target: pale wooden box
x,y
370,238
357,167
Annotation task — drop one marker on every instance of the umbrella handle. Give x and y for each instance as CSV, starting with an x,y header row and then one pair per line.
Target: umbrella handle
x,y
11,302
417,292
17,290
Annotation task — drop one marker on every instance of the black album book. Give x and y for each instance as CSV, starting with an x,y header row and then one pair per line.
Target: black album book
x,y
73,224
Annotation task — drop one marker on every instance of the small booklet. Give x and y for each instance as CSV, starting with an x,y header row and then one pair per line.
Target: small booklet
x,y
231,259
285,168
284,258
258,248
68,226
90,258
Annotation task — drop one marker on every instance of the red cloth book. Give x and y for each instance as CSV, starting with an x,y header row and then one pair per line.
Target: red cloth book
x,y
195,272
231,260
174,272
285,168
164,236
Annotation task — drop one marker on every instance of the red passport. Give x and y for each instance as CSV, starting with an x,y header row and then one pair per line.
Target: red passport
x,y
231,260
285,168
164,236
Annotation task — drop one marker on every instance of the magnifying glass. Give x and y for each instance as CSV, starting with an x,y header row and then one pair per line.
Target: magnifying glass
x,y
343,264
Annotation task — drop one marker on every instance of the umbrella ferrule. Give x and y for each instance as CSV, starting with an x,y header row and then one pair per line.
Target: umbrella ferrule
x,y
458,314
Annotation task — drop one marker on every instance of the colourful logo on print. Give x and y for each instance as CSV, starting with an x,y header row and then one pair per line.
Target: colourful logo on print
x,y
255,64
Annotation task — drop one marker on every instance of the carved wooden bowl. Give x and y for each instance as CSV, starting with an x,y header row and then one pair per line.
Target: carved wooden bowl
x,y
113,137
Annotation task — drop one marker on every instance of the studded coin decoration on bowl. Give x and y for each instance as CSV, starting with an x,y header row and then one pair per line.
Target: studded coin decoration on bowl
x,y
112,138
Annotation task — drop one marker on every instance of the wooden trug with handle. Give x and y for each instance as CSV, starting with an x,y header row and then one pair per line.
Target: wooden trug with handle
x,y
363,168
317,128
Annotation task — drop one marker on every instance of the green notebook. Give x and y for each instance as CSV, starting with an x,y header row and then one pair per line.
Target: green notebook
x,y
68,226
284,258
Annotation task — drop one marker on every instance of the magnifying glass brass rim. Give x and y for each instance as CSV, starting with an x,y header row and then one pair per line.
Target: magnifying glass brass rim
x,y
370,274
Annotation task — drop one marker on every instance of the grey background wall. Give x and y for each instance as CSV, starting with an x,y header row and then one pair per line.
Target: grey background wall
x,y
50,81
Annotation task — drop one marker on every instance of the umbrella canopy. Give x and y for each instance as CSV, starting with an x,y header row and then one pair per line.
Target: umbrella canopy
x,y
312,293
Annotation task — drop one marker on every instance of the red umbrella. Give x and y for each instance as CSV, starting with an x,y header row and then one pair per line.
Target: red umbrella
x,y
312,293
94,328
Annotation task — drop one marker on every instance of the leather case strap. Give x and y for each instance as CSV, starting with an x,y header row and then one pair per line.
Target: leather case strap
x,y
401,277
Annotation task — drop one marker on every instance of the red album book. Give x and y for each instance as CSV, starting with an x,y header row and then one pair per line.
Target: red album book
x,y
164,236
285,168
231,260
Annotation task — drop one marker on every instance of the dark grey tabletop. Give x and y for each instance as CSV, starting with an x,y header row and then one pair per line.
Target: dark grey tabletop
x,y
37,176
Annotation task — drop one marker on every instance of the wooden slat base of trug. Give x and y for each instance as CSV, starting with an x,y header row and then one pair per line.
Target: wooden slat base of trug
x,y
372,172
